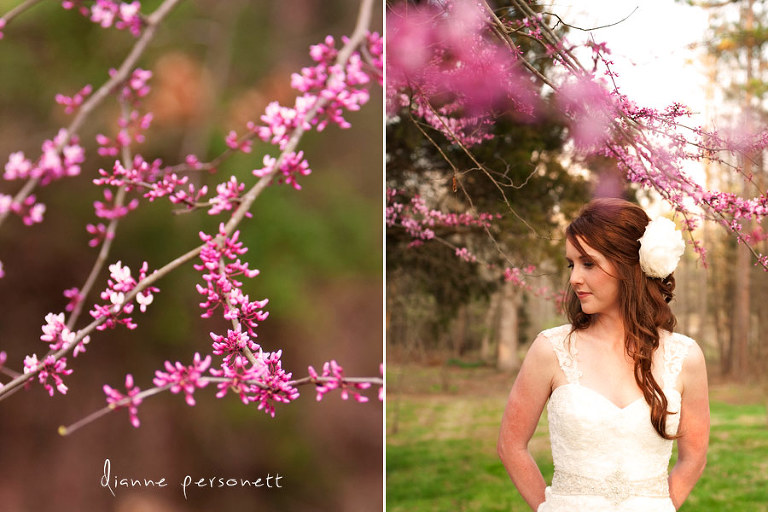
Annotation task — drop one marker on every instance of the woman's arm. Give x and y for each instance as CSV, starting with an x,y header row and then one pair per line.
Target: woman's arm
x,y
524,406
694,428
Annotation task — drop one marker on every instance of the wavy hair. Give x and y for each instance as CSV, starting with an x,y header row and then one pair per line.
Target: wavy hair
x,y
613,227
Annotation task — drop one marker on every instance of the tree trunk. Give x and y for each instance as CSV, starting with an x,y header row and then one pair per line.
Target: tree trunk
x,y
508,359
460,331
491,320
740,322
741,314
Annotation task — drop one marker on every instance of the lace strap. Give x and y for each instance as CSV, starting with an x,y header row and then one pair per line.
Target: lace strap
x,y
566,356
675,349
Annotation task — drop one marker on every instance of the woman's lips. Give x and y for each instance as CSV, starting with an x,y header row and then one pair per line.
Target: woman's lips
x,y
582,295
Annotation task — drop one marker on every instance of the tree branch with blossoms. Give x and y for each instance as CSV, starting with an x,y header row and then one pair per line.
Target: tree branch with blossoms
x,y
467,46
336,83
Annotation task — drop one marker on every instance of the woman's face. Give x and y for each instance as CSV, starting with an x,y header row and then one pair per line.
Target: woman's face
x,y
592,278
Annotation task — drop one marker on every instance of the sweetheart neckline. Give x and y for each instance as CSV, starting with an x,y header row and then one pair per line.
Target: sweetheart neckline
x,y
606,399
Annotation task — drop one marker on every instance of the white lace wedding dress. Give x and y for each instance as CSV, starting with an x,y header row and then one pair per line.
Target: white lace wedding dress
x,y
607,458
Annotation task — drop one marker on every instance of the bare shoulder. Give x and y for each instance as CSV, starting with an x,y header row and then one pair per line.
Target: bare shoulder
x,y
694,356
694,369
541,360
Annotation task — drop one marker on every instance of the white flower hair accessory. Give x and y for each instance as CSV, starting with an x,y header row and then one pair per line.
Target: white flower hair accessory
x,y
661,247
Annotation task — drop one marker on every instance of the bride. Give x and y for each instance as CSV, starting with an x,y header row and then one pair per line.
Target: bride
x,y
621,386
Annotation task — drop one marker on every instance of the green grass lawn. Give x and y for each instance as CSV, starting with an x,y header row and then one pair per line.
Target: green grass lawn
x,y
441,446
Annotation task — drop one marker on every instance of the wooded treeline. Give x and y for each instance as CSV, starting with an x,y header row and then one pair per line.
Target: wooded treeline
x,y
440,306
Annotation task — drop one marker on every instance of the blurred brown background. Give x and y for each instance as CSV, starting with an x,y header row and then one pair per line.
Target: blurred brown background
x,y
216,65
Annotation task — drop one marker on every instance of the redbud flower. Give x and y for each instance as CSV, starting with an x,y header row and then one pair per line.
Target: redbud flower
x,y
227,196
186,378
117,310
232,345
264,382
99,232
52,369
336,372
114,397
71,103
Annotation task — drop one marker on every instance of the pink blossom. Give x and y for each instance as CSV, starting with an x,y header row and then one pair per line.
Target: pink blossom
x,y
116,311
56,333
58,160
442,67
18,167
71,103
335,373
419,220
75,298
264,382
291,166
232,345
590,110
186,378
115,399
99,232
30,211
51,369
244,145
122,15
227,196
222,266
465,255
106,211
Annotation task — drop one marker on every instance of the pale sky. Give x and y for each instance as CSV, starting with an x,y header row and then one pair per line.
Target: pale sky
x,y
655,51
651,48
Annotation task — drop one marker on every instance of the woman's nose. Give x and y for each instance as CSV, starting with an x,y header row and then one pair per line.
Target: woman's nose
x,y
575,277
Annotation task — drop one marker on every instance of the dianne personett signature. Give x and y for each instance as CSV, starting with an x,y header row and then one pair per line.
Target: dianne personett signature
x,y
113,482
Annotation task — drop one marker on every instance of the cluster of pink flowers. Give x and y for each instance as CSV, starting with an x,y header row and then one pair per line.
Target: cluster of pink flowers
x,y
150,179
328,90
222,267
227,196
99,232
106,13
61,157
30,211
50,373
117,310
264,382
464,254
517,276
419,220
443,67
184,378
333,378
232,345
58,335
115,399
105,210
75,298
291,165
71,103
132,124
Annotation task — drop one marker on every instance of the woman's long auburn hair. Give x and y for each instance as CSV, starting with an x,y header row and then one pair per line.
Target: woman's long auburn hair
x,y
613,227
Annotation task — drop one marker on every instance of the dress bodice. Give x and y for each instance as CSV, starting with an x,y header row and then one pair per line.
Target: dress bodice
x,y
609,458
